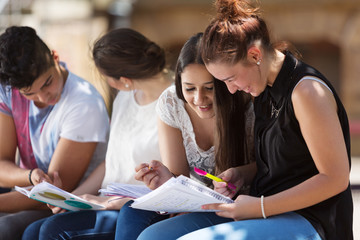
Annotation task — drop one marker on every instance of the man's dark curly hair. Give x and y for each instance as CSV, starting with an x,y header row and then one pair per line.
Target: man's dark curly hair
x,y
23,57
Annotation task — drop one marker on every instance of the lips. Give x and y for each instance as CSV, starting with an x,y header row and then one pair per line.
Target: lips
x,y
205,107
52,101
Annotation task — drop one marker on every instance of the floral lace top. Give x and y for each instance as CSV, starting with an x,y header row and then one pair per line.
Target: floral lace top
x,y
171,110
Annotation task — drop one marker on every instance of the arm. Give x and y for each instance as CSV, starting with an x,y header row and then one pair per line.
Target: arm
x,y
316,111
71,160
172,149
10,173
14,201
93,183
173,157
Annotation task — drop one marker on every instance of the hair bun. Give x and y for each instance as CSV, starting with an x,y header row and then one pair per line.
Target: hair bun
x,y
233,9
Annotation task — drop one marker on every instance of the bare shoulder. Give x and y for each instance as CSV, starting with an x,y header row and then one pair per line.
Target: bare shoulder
x,y
313,92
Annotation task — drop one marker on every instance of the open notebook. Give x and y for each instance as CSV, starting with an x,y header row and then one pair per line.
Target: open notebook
x,y
180,194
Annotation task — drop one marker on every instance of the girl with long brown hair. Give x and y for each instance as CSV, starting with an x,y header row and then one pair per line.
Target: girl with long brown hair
x,y
300,186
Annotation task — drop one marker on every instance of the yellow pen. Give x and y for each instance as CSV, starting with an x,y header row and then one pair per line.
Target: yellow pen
x,y
208,175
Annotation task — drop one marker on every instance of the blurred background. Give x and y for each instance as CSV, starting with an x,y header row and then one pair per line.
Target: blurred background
x,y
326,32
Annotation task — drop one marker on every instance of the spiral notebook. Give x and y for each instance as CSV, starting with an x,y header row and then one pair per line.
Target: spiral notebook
x,y
180,194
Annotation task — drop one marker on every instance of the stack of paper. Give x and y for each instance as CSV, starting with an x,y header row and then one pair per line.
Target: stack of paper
x,y
125,190
179,194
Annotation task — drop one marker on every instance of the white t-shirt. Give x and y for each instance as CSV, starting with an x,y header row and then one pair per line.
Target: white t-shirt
x,y
171,110
133,139
80,116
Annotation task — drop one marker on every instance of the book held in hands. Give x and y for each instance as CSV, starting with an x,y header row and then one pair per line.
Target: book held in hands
x,y
48,193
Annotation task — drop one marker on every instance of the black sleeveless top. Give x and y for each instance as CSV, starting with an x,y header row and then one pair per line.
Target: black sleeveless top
x,y
283,158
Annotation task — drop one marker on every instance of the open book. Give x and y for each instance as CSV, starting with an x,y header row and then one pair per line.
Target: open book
x,y
48,193
180,194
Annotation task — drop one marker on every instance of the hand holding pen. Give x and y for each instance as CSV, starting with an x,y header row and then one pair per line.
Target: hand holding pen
x,y
153,174
217,179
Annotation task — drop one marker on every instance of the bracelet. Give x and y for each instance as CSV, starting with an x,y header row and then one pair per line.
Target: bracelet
x,y
262,206
30,176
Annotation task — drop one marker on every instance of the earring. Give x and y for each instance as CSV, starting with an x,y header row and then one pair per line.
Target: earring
x,y
126,85
258,63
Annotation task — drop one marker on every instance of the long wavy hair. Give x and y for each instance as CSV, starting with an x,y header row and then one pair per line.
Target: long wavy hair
x,y
231,145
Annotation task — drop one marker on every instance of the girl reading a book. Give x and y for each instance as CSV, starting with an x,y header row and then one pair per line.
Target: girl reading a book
x,y
187,138
302,145
135,66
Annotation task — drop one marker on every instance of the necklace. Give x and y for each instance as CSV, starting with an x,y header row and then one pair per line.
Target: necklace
x,y
275,111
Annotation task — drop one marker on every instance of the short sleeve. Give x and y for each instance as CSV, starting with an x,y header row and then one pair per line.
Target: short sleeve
x,y
5,100
168,106
86,122
81,115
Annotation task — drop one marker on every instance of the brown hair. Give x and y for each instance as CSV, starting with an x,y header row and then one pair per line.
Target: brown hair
x,y
234,105
237,25
231,148
127,53
189,54
227,38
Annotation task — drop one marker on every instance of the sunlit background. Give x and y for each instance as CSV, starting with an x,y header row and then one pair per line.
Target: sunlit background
x,y
326,32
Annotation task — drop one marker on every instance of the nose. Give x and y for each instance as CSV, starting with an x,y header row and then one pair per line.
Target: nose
x,y
199,97
231,87
42,96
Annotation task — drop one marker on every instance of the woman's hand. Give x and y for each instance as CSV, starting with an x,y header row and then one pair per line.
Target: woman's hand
x,y
153,174
116,203
56,210
231,175
244,207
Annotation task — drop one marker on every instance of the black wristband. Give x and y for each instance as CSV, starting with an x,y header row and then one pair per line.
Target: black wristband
x,y
30,176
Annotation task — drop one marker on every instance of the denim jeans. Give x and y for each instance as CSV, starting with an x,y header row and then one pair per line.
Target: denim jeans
x,y
282,227
74,225
12,225
131,222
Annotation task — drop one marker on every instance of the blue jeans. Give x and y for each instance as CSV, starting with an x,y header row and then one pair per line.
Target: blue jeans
x,y
74,225
175,227
282,227
131,222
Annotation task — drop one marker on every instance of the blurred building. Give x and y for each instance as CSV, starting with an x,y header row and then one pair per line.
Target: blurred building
x,y
326,32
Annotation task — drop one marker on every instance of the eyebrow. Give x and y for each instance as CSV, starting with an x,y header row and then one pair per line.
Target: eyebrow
x,y
211,82
226,79
45,83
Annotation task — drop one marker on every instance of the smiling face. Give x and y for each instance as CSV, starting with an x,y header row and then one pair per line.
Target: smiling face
x,y
197,87
46,89
239,77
